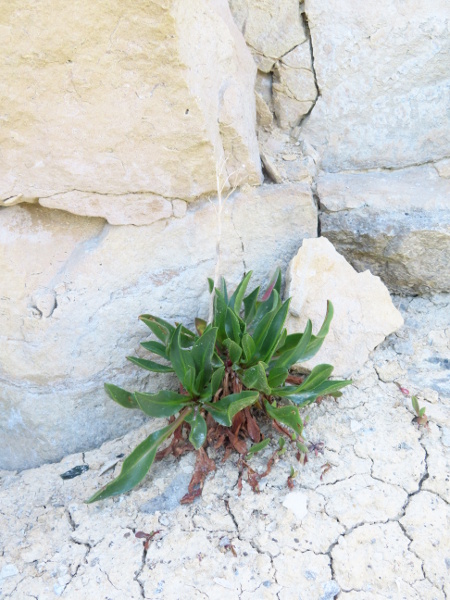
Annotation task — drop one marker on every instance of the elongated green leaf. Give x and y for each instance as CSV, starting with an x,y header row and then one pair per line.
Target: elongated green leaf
x,y
277,377
220,313
282,340
211,285
309,396
179,357
232,326
248,346
234,350
136,466
162,329
258,447
224,410
156,348
288,415
216,380
202,353
318,375
150,365
272,338
197,436
223,289
287,359
261,311
250,305
163,404
121,396
255,378
274,284
316,341
238,295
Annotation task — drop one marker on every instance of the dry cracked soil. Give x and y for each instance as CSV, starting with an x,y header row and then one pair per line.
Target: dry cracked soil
x,y
366,519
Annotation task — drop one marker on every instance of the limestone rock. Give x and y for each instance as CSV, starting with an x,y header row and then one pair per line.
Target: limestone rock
x,y
127,209
104,101
363,311
427,523
294,87
271,29
72,289
379,555
395,224
383,73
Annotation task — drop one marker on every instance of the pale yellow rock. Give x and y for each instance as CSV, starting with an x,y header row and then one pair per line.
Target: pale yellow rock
x,y
363,310
271,29
294,87
124,97
443,168
127,209
383,73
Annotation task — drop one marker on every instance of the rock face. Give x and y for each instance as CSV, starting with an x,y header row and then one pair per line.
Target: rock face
x,y
294,86
271,29
395,224
363,311
134,120
72,289
383,73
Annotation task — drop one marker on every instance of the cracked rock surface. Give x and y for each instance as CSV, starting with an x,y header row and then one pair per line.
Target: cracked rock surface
x,y
367,519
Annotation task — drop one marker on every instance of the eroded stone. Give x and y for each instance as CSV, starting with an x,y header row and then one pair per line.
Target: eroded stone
x,y
363,311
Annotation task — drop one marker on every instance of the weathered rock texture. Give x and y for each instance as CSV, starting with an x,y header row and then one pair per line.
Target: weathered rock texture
x,y
374,526
395,224
112,104
72,289
383,73
363,311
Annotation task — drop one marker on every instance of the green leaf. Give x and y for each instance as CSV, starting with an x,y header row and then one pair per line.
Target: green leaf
x,y
181,359
238,295
223,289
263,308
121,396
163,404
273,335
415,404
156,348
255,378
211,285
197,436
422,412
287,359
162,329
224,410
234,350
288,415
262,328
250,305
216,380
327,388
150,365
220,313
248,346
258,447
202,353
317,340
232,327
318,375
277,377
136,466
274,284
